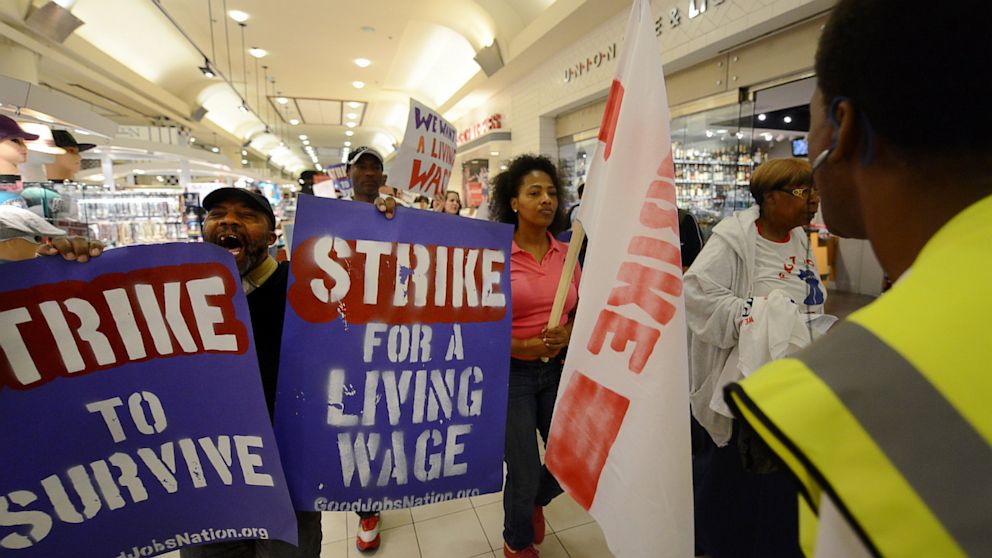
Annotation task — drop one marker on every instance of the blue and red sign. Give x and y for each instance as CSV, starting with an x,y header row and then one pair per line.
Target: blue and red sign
x,y
393,375
132,419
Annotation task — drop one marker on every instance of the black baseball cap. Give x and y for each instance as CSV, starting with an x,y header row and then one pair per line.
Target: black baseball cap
x,y
63,138
360,152
249,198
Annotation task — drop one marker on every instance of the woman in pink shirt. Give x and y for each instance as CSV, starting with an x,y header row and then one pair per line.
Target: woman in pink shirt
x,y
528,195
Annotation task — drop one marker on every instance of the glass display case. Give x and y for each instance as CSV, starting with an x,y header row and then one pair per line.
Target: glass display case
x,y
120,218
713,156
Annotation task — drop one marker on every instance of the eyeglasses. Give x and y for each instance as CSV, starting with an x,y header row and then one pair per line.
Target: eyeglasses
x,y
801,192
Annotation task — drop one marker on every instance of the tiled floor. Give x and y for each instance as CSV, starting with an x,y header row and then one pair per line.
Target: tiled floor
x,y
469,528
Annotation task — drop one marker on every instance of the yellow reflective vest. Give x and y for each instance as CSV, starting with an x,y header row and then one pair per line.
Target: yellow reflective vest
x,y
891,412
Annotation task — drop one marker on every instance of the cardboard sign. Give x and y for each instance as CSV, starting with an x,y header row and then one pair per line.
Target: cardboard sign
x,y
339,175
424,161
133,417
393,384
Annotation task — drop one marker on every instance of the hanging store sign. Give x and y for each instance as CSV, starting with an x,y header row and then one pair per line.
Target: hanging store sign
x,y
481,128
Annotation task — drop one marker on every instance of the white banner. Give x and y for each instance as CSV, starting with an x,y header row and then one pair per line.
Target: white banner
x,y
424,160
619,442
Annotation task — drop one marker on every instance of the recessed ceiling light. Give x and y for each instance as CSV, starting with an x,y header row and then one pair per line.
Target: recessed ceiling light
x,y
494,153
282,100
351,124
303,136
358,84
721,131
244,151
362,62
349,133
215,149
347,144
258,52
709,133
762,117
352,115
293,121
244,161
306,142
320,168
192,140
354,104
787,120
238,15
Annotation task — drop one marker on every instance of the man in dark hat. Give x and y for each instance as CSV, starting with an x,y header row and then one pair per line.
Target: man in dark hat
x,y
365,172
243,223
67,164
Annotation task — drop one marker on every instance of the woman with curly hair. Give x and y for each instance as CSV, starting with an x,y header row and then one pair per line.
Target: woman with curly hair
x,y
528,195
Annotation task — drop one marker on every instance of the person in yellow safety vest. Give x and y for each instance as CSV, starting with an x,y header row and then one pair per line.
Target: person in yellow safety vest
x,y
886,422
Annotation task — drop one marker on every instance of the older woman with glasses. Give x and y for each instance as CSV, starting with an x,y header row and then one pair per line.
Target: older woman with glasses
x,y
750,254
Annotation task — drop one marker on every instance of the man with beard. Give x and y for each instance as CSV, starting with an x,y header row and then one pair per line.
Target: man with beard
x,y
243,223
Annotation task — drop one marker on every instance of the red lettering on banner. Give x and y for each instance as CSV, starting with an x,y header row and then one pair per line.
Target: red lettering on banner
x,y
642,282
624,330
362,281
655,249
72,328
588,418
610,117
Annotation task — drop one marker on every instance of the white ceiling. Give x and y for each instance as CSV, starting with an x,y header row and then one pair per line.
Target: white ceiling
x,y
134,64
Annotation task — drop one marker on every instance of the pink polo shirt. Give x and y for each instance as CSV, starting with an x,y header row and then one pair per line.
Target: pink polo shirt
x,y
534,284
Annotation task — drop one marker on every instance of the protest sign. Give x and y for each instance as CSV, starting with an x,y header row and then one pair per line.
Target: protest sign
x,y
393,373
133,417
340,180
425,158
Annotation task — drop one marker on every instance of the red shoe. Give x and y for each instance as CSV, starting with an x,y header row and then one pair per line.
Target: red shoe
x,y
368,534
539,526
529,552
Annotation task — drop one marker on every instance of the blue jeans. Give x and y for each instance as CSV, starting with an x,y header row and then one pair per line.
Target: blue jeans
x,y
533,388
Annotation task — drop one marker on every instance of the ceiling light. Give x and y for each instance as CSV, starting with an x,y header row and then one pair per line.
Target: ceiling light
x,y
303,136
787,120
215,149
244,161
762,117
282,100
320,168
349,133
139,171
160,178
740,135
354,104
362,62
721,131
293,121
306,142
243,107
709,133
503,167
258,52
351,124
238,15
192,140
347,144
352,115
358,84
494,153
244,151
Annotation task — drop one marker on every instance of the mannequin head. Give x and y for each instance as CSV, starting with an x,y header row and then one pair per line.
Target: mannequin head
x,y
13,151
67,164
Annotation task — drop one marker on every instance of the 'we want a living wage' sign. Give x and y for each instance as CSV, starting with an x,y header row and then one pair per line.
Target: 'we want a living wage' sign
x,y
424,160
133,420
393,374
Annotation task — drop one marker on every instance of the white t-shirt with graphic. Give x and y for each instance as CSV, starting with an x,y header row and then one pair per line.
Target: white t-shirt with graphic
x,y
789,266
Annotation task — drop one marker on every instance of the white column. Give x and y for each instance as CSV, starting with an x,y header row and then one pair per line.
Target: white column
x,y
107,164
